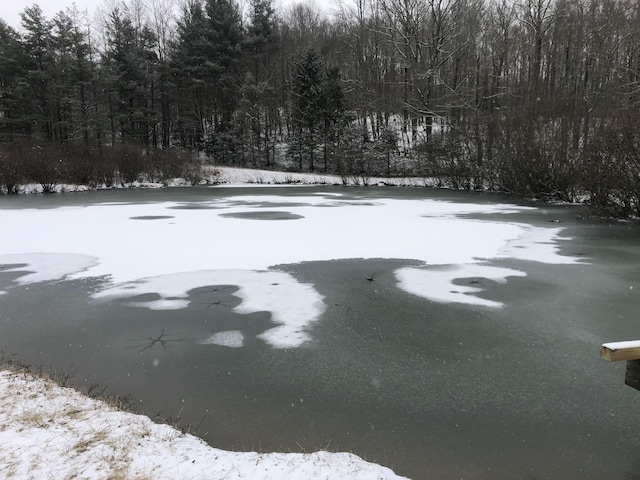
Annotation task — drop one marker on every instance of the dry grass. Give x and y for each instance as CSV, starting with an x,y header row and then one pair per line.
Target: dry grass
x,y
90,441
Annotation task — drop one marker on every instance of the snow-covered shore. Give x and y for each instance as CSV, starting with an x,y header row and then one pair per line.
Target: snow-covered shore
x,y
235,176
230,176
48,431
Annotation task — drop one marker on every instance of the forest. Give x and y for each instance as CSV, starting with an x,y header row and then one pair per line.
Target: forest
x,y
538,98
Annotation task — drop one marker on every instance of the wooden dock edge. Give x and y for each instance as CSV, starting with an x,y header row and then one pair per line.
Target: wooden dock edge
x,y
629,351
616,351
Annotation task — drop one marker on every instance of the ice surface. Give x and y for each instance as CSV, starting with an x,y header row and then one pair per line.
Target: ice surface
x,y
207,246
201,239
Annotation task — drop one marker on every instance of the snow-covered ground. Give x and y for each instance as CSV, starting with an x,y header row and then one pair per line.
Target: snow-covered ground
x,y
167,249
47,431
240,176
230,176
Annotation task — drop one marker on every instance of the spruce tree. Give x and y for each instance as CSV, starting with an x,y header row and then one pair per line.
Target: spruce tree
x,y
333,113
37,41
14,106
189,79
71,76
258,104
224,35
130,62
307,107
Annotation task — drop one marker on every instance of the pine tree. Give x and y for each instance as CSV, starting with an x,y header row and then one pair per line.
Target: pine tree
x,y
189,76
333,112
37,42
257,99
318,109
71,78
307,107
130,62
224,36
260,38
14,106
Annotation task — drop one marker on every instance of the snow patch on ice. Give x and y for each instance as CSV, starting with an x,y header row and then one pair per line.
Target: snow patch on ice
x,y
436,283
46,267
293,305
537,245
231,339
162,304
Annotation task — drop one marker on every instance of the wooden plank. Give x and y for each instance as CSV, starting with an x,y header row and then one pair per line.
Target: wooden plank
x,y
616,351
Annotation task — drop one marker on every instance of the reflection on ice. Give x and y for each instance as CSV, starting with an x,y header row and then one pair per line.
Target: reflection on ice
x,y
437,285
293,305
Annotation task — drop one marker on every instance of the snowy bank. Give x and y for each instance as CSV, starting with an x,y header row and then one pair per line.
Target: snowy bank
x,y
47,431
222,176
242,176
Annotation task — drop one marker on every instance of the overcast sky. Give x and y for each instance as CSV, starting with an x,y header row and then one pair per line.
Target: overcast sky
x,y
10,9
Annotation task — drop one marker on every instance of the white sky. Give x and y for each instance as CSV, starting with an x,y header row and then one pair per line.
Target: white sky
x,y
10,9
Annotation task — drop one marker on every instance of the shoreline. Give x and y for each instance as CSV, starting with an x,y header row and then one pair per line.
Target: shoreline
x,y
221,176
51,431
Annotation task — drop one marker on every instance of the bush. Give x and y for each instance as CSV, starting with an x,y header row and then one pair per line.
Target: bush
x,y
163,165
611,172
530,161
11,167
43,163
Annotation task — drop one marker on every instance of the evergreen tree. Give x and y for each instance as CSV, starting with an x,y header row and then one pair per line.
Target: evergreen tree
x,y
130,62
257,102
37,43
333,113
307,107
13,94
189,76
224,35
260,38
318,109
71,78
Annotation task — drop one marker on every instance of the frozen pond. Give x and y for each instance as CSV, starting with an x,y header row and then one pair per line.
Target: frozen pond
x,y
445,335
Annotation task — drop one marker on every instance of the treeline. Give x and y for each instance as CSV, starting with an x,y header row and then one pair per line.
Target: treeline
x,y
536,97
